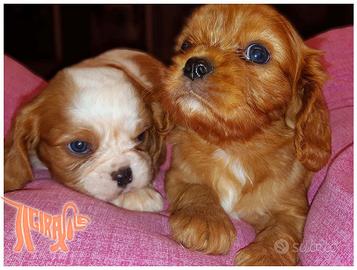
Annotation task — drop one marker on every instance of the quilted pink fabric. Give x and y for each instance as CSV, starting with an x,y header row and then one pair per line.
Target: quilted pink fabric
x,y
328,238
119,237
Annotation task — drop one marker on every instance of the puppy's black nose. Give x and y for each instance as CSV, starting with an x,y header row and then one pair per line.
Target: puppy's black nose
x,y
197,68
123,176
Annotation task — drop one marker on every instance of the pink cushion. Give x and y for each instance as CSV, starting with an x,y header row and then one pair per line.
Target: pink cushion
x,y
119,237
328,238
20,86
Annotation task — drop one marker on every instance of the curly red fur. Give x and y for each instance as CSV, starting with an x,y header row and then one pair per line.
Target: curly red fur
x,y
247,136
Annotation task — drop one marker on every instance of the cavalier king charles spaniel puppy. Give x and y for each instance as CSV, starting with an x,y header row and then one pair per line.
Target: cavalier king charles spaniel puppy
x,y
252,125
96,129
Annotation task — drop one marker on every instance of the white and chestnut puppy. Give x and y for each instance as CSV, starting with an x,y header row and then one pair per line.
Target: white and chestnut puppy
x,y
96,130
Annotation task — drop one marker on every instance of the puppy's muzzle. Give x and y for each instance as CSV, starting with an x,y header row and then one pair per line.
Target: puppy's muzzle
x,y
197,68
123,176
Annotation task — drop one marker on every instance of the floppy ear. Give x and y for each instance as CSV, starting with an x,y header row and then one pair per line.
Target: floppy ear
x,y
312,130
21,140
161,128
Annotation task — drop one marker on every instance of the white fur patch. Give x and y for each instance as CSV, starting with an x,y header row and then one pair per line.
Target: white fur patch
x,y
144,199
190,104
228,193
233,164
104,97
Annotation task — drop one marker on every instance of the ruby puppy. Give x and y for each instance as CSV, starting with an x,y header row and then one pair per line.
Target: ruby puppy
x,y
252,126
96,130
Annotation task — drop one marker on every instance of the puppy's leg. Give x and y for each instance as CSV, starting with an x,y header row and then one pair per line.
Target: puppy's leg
x,y
278,240
143,199
197,220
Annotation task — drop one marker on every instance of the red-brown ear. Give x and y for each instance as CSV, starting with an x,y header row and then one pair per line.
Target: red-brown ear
x,y
313,135
20,141
162,126
154,142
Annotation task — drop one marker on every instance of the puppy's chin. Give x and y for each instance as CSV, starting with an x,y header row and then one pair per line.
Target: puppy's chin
x,y
215,117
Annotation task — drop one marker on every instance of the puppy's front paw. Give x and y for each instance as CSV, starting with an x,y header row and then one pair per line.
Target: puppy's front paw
x,y
209,230
263,254
145,199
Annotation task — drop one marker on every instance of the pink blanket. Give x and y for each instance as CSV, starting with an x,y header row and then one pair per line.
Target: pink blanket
x,y
120,237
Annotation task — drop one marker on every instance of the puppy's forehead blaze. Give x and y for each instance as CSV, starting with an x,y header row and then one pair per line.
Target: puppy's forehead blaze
x,y
105,98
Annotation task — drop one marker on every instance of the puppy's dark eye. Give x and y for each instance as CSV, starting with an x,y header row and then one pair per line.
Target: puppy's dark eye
x,y
186,45
141,137
79,147
257,53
